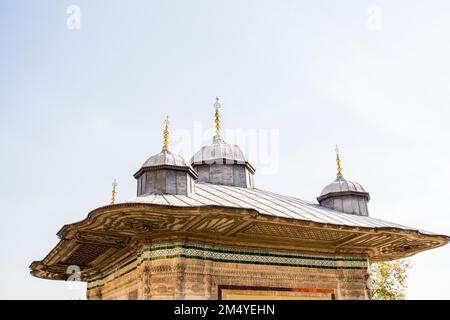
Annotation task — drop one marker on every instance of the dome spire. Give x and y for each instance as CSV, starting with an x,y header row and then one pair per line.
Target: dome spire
x,y
344,195
217,106
222,163
338,163
165,172
113,192
166,134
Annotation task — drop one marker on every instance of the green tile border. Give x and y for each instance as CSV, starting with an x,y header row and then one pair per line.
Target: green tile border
x,y
208,248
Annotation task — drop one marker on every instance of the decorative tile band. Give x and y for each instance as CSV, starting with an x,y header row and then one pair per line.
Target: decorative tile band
x,y
229,255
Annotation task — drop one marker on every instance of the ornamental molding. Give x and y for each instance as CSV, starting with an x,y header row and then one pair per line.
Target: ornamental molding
x,y
110,234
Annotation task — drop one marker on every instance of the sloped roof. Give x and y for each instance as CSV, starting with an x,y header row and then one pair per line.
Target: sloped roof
x,y
267,203
232,215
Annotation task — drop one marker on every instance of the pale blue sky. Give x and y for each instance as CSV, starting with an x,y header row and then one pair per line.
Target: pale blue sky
x,y
79,108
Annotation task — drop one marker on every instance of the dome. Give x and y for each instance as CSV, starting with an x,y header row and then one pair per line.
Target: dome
x,y
222,163
165,172
219,152
165,158
342,185
345,196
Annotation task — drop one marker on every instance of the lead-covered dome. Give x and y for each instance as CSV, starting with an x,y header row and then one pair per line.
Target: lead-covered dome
x,y
219,152
165,172
165,158
342,185
344,195
222,163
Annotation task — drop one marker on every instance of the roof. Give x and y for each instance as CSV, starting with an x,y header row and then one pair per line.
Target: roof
x,y
168,160
219,150
231,216
165,158
342,185
267,203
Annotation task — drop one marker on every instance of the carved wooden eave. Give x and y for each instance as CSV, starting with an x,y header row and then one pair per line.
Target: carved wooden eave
x,y
111,233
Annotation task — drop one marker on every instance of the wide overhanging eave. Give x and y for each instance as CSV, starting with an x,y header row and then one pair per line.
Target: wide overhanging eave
x,y
149,221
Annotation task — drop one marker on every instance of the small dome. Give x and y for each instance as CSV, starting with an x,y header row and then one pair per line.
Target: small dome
x,y
342,185
219,152
343,195
165,173
165,158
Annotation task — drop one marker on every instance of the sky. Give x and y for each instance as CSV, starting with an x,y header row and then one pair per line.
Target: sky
x,y
85,87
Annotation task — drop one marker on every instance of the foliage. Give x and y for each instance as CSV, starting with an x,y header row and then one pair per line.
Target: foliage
x,y
388,279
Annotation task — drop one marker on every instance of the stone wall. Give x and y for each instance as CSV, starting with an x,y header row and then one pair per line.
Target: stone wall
x,y
194,271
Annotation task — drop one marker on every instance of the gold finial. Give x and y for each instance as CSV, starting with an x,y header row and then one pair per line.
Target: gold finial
x,y
113,193
217,118
338,162
166,134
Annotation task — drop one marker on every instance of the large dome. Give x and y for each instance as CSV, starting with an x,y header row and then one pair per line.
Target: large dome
x,y
219,152
342,185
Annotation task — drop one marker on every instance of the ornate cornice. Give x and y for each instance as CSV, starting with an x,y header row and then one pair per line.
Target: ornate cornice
x,y
113,232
